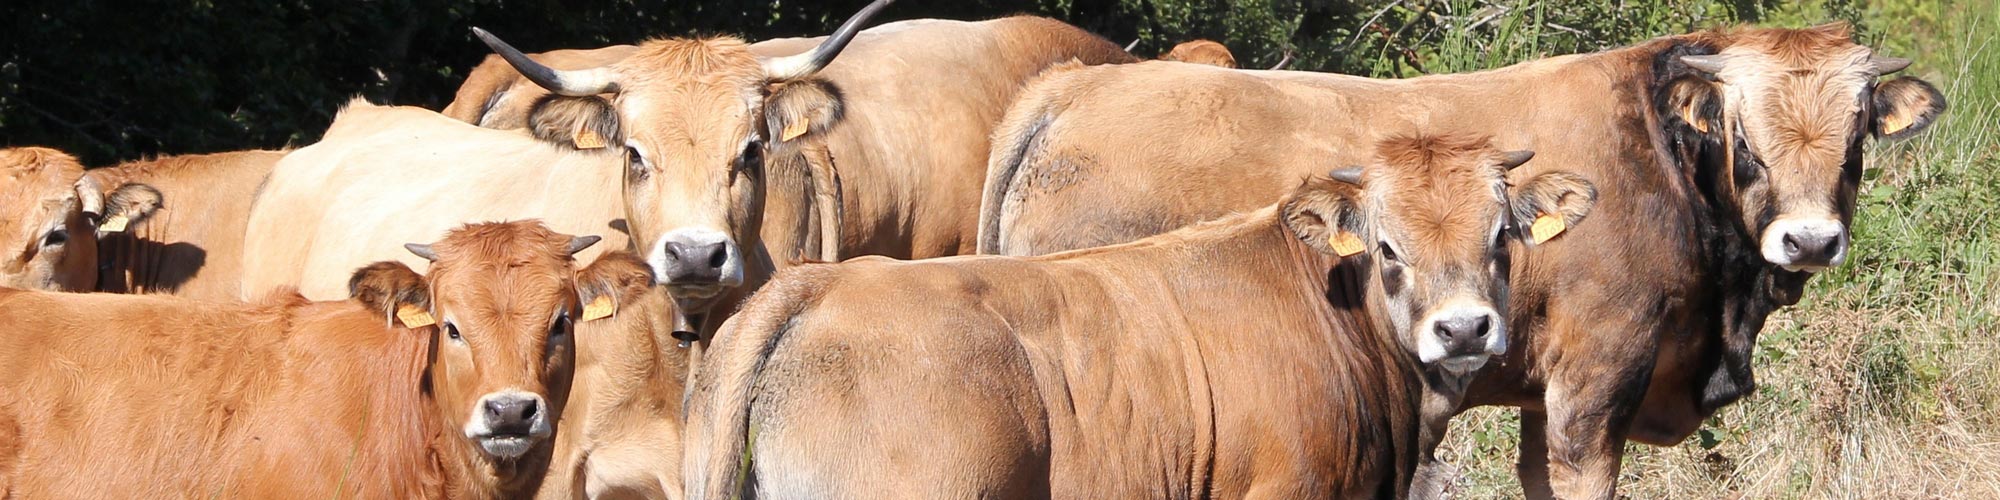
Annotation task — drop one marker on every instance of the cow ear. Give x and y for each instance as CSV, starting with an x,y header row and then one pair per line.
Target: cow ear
x,y
580,123
801,108
1696,103
128,205
1905,106
394,291
1325,213
1549,204
616,278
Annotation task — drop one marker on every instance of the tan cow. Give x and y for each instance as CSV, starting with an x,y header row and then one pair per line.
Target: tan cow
x,y
495,96
888,142
1207,52
442,386
1728,162
1239,358
171,224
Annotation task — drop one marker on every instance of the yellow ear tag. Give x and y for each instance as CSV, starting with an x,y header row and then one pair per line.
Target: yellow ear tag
x,y
793,131
587,139
1892,123
1344,243
598,309
1700,125
113,224
1547,226
414,317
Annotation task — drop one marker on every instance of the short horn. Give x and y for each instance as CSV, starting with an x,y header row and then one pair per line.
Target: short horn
x,y
1286,61
578,243
1133,45
580,83
1885,65
1711,64
1350,175
422,250
90,194
798,66
1511,159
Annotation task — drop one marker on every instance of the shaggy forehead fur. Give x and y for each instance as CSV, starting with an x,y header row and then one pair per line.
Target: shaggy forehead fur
x,y
1442,192
689,81
1797,92
504,269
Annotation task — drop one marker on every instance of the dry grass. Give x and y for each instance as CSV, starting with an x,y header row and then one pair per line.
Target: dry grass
x,y
1885,381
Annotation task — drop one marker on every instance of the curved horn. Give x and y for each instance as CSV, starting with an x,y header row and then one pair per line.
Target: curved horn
x,y
1350,175
798,66
422,250
1286,61
1885,65
1511,159
581,83
578,243
1711,64
90,194
1133,45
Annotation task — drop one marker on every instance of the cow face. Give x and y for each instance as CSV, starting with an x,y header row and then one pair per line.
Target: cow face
x,y
1791,108
50,217
504,300
1435,217
696,118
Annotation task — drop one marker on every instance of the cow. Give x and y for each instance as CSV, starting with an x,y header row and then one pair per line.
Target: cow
x,y
1728,161
1201,51
445,385
165,225
385,175
495,96
1273,353
878,152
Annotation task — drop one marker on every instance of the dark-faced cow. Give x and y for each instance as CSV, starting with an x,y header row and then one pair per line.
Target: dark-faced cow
x,y
1239,358
880,152
1728,163
445,386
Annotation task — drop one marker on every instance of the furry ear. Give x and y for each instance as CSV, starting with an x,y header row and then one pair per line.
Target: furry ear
x,y
1549,204
393,290
1696,102
1325,213
129,204
581,123
799,109
1905,106
616,278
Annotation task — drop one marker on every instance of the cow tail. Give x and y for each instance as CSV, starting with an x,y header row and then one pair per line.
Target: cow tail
x,y
719,407
1019,138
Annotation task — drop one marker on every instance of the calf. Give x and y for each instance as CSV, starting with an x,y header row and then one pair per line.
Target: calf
x,y
1236,358
442,386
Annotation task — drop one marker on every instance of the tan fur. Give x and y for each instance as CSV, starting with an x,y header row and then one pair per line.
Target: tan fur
x,y
38,194
1610,328
192,245
1201,52
495,96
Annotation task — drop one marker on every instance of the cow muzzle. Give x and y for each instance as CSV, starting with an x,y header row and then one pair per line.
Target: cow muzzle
x,y
1805,244
1460,339
697,263
507,424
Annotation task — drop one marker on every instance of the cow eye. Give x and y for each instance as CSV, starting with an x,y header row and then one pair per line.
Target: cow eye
x,y
1389,254
753,155
560,328
55,237
451,330
635,166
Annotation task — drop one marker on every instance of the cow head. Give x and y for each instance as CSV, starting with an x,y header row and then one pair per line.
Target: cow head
x,y
50,217
1207,52
696,118
1434,218
501,302
1790,108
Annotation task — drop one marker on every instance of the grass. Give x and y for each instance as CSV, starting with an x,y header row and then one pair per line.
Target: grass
x,y
1885,381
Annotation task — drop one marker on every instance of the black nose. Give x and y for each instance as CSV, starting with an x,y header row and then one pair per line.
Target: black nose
x,y
512,414
1464,332
695,262
1812,249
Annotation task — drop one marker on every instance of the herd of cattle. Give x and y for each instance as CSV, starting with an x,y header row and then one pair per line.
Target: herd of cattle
x,y
1202,282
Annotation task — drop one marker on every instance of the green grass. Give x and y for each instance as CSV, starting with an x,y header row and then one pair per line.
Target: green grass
x,y
1885,381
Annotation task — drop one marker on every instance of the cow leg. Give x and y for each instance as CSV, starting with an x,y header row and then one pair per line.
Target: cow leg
x,y
1587,414
1443,396
1533,467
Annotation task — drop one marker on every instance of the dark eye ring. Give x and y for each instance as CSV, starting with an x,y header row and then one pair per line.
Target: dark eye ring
x,y
1388,254
451,330
561,326
55,237
753,154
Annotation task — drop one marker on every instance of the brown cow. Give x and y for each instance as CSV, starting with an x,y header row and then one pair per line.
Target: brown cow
x,y
446,386
1239,358
495,96
1728,163
889,141
172,224
1207,52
